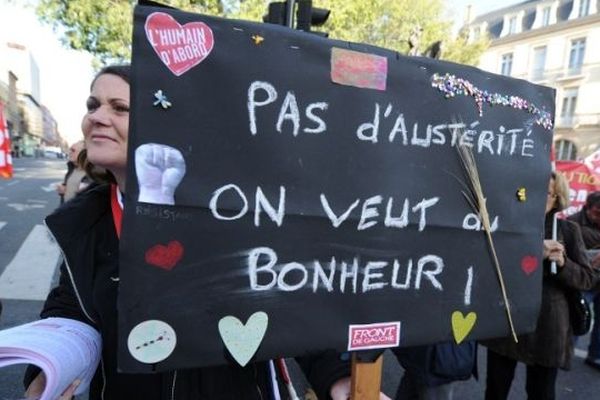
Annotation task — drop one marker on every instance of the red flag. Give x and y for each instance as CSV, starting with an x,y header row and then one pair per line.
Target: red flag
x,y
6,169
5,155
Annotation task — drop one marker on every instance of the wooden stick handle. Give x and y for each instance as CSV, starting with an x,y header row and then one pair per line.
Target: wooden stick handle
x,y
366,378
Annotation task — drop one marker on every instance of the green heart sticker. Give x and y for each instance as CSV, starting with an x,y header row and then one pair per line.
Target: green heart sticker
x,y
241,340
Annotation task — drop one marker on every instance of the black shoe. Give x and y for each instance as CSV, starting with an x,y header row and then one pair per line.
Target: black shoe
x,y
593,362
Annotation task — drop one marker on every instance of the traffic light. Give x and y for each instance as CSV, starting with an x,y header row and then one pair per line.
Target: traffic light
x,y
277,13
308,16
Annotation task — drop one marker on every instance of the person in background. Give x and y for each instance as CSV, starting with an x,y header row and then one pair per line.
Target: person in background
x,y
76,178
87,289
550,346
589,222
431,371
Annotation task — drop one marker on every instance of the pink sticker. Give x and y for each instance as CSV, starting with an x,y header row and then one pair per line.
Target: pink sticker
x,y
373,336
361,70
179,47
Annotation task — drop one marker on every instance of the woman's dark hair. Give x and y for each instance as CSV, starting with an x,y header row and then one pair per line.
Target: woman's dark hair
x,y
593,200
98,174
123,71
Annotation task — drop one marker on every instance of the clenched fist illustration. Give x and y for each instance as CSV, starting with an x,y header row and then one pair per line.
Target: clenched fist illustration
x,y
159,170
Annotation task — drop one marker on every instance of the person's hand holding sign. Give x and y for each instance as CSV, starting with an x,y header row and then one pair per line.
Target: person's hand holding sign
x,y
341,390
36,388
596,261
554,251
159,170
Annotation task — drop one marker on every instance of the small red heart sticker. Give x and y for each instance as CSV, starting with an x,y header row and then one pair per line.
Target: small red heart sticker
x,y
179,47
529,264
165,257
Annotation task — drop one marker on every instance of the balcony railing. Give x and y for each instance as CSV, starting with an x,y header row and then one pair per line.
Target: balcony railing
x,y
574,70
578,120
538,75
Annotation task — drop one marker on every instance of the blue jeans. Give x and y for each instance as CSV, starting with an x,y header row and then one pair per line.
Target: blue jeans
x,y
594,348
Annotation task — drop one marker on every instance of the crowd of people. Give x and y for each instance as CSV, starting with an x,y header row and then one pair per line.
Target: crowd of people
x,y
86,292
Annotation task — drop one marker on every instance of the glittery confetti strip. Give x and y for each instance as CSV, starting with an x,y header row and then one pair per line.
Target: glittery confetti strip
x,y
452,86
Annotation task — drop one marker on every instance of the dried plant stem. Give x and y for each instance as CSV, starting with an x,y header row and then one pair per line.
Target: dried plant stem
x,y
478,202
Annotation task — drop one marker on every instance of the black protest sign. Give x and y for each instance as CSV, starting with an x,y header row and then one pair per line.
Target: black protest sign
x,y
289,193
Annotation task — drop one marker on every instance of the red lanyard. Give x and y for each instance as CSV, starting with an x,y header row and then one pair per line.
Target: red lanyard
x,y
117,211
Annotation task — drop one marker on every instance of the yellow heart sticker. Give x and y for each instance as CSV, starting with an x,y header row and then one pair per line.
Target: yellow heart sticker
x,y
461,325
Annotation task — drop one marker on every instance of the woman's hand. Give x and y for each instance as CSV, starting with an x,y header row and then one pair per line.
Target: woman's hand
x,y
36,388
554,251
596,261
341,390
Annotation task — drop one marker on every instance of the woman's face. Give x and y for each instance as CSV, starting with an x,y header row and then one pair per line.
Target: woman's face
x,y
551,197
105,126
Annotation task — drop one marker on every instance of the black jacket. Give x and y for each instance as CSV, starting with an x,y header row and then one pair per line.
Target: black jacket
x,y
87,291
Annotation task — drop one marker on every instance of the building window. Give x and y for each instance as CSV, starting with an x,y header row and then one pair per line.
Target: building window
x,y
539,62
569,103
476,33
546,16
565,150
584,8
512,25
576,56
506,66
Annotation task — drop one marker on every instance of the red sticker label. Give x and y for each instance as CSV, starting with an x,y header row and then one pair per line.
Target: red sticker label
x,y
373,336
529,264
179,47
361,70
165,257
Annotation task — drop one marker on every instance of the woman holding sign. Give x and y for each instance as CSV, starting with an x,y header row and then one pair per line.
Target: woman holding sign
x,y
87,230
551,345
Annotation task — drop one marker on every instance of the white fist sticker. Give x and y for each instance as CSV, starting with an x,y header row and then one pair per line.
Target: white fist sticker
x,y
159,169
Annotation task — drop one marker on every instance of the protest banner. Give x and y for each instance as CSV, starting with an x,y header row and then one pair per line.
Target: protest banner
x,y
289,193
583,180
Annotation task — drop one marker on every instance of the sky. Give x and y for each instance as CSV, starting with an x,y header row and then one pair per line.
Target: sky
x,y
65,74
458,7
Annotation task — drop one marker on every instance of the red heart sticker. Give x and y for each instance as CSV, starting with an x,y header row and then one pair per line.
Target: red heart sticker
x,y
179,47
529,264
165,257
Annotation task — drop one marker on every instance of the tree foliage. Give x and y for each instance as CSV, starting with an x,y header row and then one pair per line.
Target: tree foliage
x,y
103,27
389,24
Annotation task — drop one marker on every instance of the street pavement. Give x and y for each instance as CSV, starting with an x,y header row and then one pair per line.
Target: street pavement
x,y
28,268
28,258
